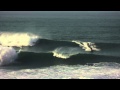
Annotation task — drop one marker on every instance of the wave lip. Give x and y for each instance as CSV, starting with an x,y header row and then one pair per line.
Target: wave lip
x,y
7,55
65,52
17,39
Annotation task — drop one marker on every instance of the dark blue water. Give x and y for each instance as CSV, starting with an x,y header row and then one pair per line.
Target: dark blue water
x,y
57,30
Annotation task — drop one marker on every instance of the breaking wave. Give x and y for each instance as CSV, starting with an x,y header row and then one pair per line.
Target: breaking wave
x,y
17,39
87,46
7,55
65,52
28,42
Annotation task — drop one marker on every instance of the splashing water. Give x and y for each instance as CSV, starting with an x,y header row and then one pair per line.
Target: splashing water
x,y
18,39
65,52
7,55
87,46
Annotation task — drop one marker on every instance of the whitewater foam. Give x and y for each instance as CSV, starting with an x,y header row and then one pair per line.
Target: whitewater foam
x,y
65,72
17,39
65,52
7,55
87,46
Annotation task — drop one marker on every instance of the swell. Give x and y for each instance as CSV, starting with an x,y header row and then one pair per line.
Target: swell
x,y
54,43
60,49
111,49
109,45
71,48
67,42
36,60
49,45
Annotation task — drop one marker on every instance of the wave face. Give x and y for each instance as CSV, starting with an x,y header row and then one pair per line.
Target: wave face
x,y
7,55
17,39
30,59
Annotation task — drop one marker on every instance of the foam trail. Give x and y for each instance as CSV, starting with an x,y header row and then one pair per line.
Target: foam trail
x,y
7,55
65,52
87,46
17,39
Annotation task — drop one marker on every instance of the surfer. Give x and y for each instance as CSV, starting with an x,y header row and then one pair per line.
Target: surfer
x,y
89,45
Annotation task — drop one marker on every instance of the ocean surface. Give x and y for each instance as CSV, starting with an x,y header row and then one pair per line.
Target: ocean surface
x,y
60,44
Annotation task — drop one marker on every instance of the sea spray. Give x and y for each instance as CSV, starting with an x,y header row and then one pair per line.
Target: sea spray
x,y
7,55
87,46
65,52
18,39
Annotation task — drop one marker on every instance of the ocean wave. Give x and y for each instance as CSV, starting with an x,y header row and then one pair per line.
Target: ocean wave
x,y
65,52
17,39
61,55
30,59
7,55
87,46
28,42
51,45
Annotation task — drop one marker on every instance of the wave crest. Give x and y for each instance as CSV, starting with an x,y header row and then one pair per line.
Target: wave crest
x,y
65,52
18,39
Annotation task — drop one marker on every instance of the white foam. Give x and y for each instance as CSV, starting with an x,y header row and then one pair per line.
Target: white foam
x,y
65,52
98,71
87,46
17,39
7,55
